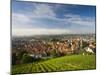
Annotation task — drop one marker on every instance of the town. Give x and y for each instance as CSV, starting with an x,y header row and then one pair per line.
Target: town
x,y
52,46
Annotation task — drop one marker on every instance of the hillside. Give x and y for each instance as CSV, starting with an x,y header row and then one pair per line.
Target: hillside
x,y
66,63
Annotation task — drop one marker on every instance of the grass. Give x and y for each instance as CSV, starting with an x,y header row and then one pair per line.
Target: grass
x,y
66,63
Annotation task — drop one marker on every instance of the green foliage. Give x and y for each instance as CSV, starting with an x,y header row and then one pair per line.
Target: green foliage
x,y
17,57
66,63
55,40
54,53
85,44
20,54
14,59
26,59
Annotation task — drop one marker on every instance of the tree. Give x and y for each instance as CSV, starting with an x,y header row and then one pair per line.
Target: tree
x,y
85,44
26,58
53,53
14,58
20,54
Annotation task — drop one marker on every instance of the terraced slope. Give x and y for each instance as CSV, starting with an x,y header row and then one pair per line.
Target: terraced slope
x,y
66,63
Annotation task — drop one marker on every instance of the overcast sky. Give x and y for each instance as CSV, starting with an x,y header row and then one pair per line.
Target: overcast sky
x,y
29,18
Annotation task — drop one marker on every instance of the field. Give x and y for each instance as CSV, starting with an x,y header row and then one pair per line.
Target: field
x,y
66,63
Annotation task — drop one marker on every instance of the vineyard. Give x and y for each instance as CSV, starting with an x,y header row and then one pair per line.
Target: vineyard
x,y
66,63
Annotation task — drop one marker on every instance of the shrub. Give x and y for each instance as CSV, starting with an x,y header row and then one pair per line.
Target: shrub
x,y
26,59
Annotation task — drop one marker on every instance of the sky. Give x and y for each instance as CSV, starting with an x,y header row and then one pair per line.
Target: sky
x,y
33,18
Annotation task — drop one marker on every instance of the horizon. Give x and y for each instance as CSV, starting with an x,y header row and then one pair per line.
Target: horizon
x,y
54,35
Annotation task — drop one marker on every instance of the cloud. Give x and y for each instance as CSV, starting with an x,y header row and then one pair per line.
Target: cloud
x,y
43,10
43,20
20,20
78,20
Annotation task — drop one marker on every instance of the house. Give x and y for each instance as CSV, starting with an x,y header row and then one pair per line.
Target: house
x,y
88,49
